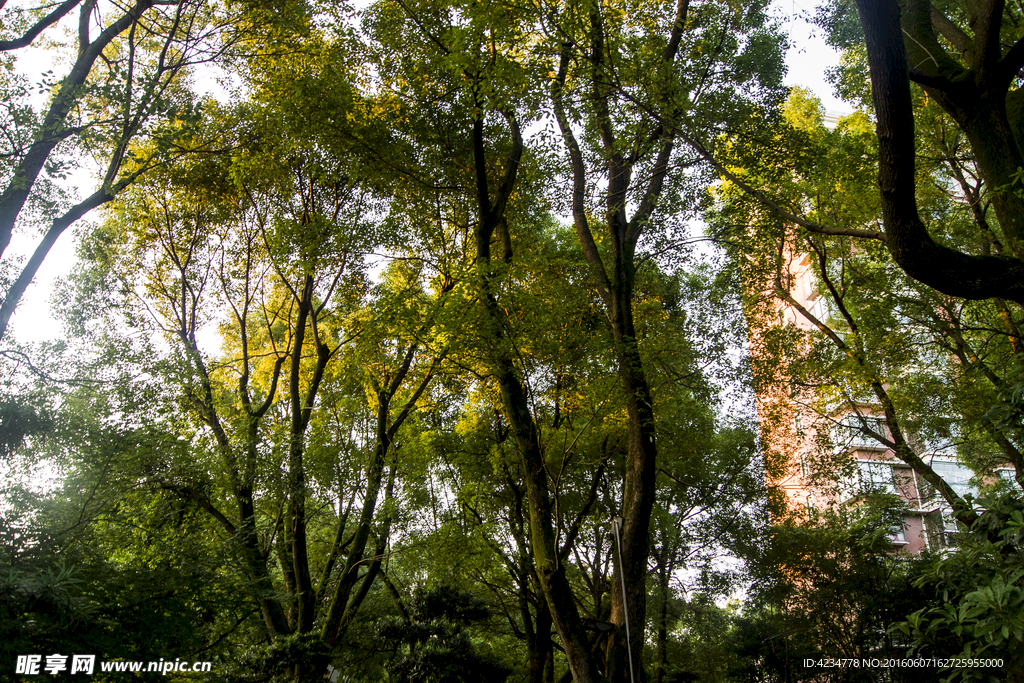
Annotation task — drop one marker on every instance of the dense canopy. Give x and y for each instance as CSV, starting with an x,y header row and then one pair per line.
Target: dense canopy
x,y
445,340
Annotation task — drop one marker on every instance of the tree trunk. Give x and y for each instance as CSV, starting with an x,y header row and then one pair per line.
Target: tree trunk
x,y
550,569
639,489
541,651
663,583
305,606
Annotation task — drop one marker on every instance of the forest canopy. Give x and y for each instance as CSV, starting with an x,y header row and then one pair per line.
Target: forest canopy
x,y
458,341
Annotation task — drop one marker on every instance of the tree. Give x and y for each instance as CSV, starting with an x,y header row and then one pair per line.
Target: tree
x,y
269,243
468,53
96,565
550,365
608,59
434,639
974,83
827,587
877,340
123,85
976,610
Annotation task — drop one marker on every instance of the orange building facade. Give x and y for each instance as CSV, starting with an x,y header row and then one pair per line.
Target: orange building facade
x,y
798,433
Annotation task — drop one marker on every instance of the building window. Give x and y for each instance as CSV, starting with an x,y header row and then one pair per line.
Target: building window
x,y
949,523
939,443
956,475
877,477
1009,476
849,433
809,287
819,309
899,533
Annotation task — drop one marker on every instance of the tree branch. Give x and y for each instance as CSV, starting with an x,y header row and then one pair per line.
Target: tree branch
x,y
909,242
775,207
50,19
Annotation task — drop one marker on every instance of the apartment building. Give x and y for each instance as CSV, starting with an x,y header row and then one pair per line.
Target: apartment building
x,y
799,432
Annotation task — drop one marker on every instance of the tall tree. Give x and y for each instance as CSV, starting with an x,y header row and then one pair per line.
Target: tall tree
x,y
972,74
621,67
270,242
470,53
124,84
968,60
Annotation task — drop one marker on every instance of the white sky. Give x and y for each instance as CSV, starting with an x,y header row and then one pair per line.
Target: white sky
x,y
807,59
809,56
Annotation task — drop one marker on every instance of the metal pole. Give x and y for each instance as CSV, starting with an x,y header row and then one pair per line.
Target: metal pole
x,y
616,528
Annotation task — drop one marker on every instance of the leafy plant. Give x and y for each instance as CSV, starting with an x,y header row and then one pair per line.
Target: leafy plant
x,y
981,589
434,644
